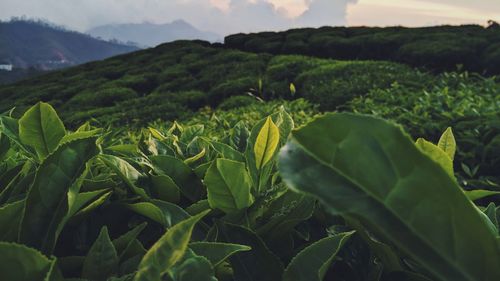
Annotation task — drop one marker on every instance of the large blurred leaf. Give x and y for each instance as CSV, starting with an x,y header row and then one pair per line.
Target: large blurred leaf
x,y
41,128
47,201
312,263
167,251
20,263
368,169
229,186
102,260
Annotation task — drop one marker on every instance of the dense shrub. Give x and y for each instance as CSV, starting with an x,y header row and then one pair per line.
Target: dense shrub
x,y
103,97
438,48
231,88
332,85
236,102
468,103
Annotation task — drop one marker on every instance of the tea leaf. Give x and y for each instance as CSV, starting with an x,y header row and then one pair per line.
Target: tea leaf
x,y
41,128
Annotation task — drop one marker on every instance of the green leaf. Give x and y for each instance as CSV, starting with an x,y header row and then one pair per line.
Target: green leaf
x,y
10,127
164,213
312,263
102,260
436,154
474,195
260,177
239,135
293,90
164,188
368,169
491,213
283,214
196,157
259,264
266,143
4,146
83,199
93,205
192,268
191,132
216,252
41,128
123,242
10,219
229,186
227,151
125,171
80,135
167,251
20,263
447,143
189,184
47,201
198,207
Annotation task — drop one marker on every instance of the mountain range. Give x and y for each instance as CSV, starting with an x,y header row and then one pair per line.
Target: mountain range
x,y
44,46
150,34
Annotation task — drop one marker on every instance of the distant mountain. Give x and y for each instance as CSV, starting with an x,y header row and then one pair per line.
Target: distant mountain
x,y
150,34
38,44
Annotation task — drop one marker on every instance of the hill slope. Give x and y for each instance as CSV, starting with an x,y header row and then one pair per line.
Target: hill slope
x,y
440,48
28,43
149,34
175,78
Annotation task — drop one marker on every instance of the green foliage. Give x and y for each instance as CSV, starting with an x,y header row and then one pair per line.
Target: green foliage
x,y
468,102
398,199
54,188
332,85
203,198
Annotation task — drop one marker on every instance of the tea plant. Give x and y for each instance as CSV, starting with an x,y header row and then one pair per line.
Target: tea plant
x,y
352,198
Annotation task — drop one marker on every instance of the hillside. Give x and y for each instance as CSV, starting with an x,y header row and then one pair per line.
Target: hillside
x,y
440,48
149,34
180,77
37,44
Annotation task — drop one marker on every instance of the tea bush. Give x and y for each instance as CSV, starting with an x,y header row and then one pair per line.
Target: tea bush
x,y
345,197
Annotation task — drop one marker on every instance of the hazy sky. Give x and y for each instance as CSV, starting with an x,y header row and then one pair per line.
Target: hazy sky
x,y
229,16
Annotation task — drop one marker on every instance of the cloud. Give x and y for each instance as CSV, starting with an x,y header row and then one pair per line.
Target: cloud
x,y
325,12
222,16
